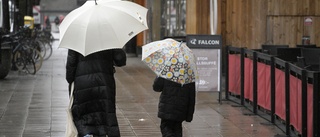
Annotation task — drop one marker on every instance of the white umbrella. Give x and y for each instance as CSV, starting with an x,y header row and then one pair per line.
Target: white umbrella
x,y
101,25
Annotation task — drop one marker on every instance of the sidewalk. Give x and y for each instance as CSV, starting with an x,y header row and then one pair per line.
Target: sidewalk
x,y
34,105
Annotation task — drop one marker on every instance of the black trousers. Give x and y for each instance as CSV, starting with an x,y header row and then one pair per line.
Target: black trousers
x,y
170,128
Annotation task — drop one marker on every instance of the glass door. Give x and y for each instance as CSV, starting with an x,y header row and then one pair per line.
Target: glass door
x,y
173,18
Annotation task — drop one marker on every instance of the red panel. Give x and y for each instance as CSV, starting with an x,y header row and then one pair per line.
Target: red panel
x,y
280,94
299,105
251,87
310,109
238,75
261,84
231,82
234,74
248,78
294,102
268,88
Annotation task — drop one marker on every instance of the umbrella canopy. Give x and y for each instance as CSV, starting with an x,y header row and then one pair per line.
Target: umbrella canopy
x,y
101,25
171,60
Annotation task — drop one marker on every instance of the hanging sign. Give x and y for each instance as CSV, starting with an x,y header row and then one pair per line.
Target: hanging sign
x,y
36,14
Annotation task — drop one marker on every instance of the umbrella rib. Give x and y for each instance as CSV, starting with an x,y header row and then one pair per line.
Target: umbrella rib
x,y
112,29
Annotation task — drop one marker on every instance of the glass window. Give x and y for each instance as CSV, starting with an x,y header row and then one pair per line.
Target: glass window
x,y
173,15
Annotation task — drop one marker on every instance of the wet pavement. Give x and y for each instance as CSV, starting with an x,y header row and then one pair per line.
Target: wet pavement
x,y
34,105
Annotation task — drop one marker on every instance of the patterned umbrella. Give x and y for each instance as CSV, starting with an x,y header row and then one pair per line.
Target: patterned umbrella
x,y
171,60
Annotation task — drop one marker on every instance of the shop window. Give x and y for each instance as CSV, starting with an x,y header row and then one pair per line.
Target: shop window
x,y
173,18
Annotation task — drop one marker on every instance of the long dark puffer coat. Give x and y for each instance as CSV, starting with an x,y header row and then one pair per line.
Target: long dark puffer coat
x,y
93,108
176,102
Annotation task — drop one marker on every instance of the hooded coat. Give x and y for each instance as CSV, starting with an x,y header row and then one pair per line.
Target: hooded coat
x,y
177,102
94,92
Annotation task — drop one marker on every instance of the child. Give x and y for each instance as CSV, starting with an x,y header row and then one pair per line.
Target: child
x,y
176,104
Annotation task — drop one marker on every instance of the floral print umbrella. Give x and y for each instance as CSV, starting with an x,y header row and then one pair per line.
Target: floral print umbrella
x,y
171,60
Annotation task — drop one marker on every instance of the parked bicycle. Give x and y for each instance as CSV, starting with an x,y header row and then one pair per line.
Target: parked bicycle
x,y
26,56
45,39
24,50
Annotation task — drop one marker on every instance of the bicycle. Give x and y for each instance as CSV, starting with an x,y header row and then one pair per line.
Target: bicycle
x,y
26,58
46,39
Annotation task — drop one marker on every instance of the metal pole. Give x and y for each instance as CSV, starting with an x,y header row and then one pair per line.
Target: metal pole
x,y
287,97
242,75
255,83
213,16
227,73
273,98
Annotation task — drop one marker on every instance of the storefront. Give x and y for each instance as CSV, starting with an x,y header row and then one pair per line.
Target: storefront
x,y
166,18
175,18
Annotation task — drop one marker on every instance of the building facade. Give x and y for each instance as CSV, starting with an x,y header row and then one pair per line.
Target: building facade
x,y
166,18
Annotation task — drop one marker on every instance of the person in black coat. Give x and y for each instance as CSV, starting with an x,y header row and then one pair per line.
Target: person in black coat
x,y
93,108
176,104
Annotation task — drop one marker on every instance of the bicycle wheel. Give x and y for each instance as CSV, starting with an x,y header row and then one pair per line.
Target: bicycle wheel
x,y
40,46
23,62
44,39
18,60
30,66
48,48
37,59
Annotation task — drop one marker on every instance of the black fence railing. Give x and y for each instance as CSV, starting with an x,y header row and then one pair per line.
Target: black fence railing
x,y
278,90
